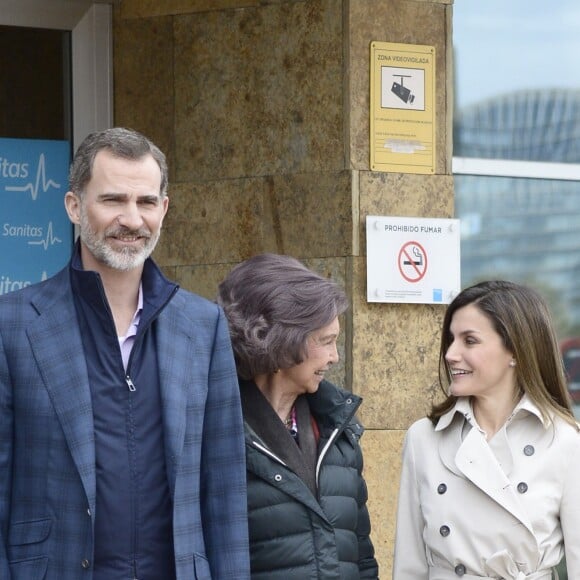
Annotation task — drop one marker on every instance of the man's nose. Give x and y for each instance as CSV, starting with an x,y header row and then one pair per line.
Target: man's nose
x,y
130,217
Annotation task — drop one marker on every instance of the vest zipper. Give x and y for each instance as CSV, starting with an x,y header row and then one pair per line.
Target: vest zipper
x,y
333,437
130,384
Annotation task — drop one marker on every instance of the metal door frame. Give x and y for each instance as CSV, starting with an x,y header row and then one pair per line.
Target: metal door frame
x,y
92,65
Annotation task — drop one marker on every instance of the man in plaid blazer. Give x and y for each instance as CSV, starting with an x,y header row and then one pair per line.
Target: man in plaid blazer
x,y
121,439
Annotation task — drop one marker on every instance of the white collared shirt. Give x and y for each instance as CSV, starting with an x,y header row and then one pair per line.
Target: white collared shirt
x,y
126,342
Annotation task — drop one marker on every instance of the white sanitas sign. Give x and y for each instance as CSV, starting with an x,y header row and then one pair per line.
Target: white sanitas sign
x,y
415,260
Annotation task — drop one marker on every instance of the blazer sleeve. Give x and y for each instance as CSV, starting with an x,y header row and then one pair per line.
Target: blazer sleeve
x,y
223,468
410,561
6,424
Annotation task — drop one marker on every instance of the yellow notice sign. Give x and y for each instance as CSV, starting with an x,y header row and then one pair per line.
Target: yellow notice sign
x,y
402,108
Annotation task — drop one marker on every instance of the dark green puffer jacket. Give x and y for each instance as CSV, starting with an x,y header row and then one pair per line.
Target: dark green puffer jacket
x,y
295,533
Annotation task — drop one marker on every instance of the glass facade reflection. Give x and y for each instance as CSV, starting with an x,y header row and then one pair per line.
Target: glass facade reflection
x,y
517,98
525,230
527,125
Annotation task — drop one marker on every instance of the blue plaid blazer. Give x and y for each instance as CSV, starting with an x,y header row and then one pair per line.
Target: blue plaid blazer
x,y
47,456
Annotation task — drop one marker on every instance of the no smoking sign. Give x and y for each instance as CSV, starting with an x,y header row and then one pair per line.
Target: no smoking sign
x,y
413,260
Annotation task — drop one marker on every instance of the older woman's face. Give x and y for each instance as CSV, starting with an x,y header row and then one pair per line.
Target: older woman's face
x,y
321,353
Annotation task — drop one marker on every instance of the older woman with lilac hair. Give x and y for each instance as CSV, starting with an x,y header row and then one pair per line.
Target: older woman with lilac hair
x,y
307,510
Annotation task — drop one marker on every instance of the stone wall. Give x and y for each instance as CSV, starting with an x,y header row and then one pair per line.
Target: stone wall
x,y
263,110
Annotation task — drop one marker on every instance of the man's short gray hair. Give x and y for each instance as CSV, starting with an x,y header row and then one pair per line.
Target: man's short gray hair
x,y
120,142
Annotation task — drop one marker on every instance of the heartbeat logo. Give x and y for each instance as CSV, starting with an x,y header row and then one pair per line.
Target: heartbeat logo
x,y
50,239
40,183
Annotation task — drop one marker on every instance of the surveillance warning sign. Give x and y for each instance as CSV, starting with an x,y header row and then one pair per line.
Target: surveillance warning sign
x,y
412,260
402,108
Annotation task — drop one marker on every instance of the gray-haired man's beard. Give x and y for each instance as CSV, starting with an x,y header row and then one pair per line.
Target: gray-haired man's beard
x,y
126,258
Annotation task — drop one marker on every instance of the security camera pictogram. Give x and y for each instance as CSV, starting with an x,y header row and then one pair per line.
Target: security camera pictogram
x,y
401,91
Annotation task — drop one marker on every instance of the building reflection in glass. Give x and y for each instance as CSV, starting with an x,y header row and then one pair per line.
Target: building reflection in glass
x,y
522,229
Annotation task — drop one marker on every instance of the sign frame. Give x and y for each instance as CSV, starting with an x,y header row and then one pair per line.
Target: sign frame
x,y
402,108
413,260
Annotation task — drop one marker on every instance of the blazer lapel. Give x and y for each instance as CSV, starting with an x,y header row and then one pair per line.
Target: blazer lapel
x,y
176,374
57,348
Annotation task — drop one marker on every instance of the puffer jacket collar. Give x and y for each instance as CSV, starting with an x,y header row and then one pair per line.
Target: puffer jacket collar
x,y
265,425
334,409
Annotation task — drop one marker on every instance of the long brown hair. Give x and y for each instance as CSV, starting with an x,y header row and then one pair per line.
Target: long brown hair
x,y
522,319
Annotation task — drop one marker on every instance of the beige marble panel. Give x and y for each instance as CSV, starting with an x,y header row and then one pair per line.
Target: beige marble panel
x,y
143,79
148,8
406,195
395,354
382,457
169,271
259,91
315,213
401,21
202,279
227,221
337,270
216,222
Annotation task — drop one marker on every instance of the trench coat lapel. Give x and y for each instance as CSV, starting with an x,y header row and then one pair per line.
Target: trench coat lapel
x,y
476,461
57,349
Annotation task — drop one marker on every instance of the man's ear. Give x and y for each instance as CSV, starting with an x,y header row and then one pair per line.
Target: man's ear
x,y
165,203
72,204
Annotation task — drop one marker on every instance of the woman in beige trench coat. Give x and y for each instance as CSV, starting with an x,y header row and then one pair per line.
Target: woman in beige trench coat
x,y
490,484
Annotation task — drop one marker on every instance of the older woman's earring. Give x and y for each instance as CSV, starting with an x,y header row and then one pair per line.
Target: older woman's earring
x,y
512,363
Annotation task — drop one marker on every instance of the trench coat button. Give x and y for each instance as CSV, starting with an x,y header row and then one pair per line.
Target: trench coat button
x,y
441,488
277,477
85,564
444,531
529,450
522,487
460,569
